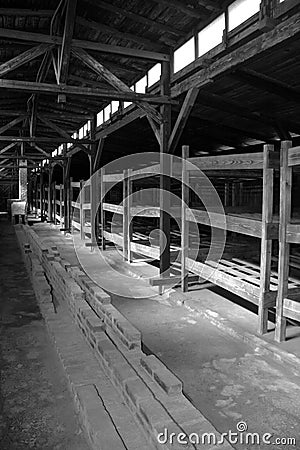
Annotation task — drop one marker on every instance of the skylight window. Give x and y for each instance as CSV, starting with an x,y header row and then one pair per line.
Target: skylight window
x,y
211,36
154,74
241,10
184,55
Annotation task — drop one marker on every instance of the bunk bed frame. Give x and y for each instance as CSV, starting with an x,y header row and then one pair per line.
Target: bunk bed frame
x,y
288,301
256,284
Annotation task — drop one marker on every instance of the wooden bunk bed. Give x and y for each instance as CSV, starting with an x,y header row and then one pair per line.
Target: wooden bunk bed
x,y
288,301
256,283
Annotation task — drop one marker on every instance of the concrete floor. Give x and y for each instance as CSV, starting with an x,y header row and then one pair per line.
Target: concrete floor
x,y
36,409
224,377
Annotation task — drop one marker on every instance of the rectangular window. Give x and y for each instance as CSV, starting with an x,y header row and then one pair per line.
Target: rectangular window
x,y
100,118
106,113
114,106
81,133
141,85
211,36
240,11
154,74
184,55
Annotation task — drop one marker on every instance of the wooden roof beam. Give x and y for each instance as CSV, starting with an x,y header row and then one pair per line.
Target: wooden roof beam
x,y
287,29
7,147
24,58
26,12
102,28
88,45
114,81
45,139
129,95
199,13
12,124
182,118
267,84
135,17
223,104
58,130
67,40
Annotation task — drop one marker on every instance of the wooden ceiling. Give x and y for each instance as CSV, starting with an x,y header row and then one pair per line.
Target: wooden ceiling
x,y
46,42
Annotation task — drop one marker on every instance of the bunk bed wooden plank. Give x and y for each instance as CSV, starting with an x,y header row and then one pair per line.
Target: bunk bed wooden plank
x,y
293,233
284,250
294,157
244,161
118,209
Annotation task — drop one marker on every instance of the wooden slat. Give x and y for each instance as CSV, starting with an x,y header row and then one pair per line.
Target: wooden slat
x,y
294,156
284,247
244,161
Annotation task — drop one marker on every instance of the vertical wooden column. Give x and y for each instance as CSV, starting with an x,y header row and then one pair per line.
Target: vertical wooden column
x,y
61,204
66,182
184,221
127,226
284,247
81,210
70,202
125,214
165,168
50,211
93,203
266,242
41,193
102,212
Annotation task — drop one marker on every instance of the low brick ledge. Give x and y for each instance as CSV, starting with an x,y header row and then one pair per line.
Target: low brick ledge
x,y
151,392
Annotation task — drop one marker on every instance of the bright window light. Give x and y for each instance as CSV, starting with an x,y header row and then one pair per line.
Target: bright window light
x,y
107,113
184,55
114,106
100,118
141,85
154,74
81,133
55,152
241,10
126,104
88,124
211,36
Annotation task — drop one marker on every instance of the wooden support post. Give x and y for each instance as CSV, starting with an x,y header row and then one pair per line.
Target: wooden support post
x,y
94,210
266,244
102,212
61,205
81,210
184,222
50,195
70,202
66,182
165,172
127,225
284,247
125,214
41,194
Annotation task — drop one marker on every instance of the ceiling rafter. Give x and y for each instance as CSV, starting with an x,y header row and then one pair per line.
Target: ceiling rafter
x,y
135,17
102,28
24,58
89,45
114,81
